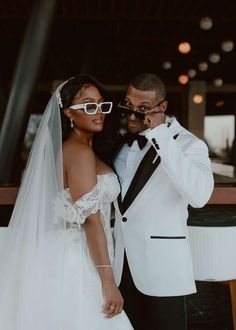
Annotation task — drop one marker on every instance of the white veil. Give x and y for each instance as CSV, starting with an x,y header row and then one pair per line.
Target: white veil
x,y
30,257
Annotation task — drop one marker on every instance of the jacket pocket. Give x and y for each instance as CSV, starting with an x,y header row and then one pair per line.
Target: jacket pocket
x,y
167,237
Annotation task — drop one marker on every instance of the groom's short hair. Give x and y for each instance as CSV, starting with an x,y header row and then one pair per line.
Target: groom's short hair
x,y
149,82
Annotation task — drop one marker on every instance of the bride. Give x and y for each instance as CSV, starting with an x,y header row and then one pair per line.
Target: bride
x,y
56,265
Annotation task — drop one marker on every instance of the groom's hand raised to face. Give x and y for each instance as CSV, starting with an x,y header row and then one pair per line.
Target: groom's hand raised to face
x,y
154,117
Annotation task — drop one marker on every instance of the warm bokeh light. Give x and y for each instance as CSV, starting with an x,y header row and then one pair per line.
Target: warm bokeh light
x,y
203,66
192,73
167,65
184,47
220,103
218,82
183,79
227,45
206,23
214,57
197,98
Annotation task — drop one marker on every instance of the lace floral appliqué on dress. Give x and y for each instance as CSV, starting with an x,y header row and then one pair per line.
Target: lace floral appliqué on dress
x,y
75,214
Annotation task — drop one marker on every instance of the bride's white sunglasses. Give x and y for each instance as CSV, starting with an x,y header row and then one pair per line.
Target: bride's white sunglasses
x,y
92,108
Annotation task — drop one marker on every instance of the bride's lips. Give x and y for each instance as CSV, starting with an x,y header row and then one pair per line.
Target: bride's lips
x,y
98,121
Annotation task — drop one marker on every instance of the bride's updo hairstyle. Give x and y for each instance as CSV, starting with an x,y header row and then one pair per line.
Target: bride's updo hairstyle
x,y
67,94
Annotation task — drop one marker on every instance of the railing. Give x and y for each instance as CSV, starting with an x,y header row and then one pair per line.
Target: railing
x,y
8,195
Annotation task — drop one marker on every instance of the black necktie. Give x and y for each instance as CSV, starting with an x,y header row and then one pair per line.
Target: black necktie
x,y
129,138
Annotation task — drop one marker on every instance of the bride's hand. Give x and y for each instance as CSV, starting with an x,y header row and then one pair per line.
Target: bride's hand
x,y
113,299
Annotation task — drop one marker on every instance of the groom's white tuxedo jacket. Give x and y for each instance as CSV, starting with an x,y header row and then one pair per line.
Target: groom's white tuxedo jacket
x,y
151,218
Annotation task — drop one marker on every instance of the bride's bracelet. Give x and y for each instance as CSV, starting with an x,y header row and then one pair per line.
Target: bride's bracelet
x,y
103,266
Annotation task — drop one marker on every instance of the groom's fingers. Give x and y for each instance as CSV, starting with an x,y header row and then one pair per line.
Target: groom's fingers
x,y
154,110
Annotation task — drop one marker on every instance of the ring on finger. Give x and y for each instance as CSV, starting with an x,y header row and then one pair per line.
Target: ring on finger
x,y
112,307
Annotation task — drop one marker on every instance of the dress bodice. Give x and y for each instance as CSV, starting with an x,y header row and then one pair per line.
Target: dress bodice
x,y
99,197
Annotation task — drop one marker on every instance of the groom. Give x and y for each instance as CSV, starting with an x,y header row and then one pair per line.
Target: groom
x,y
162,169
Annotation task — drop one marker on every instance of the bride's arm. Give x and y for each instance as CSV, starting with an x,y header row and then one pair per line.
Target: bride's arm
x,y
81,178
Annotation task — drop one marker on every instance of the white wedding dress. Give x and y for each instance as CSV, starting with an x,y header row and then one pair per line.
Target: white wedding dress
x,y
48,280
61,288
82,290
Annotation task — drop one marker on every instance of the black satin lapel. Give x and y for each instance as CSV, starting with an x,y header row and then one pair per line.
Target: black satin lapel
x,y
142,175
120,144
119,201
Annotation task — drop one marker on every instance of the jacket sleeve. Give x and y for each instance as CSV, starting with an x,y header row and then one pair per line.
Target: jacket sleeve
x,y
188,166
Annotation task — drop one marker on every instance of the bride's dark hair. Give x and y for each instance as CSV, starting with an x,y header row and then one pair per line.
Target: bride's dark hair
x,y
104,142
68,92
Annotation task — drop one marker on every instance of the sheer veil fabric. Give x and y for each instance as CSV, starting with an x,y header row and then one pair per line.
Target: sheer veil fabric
x,y
30,258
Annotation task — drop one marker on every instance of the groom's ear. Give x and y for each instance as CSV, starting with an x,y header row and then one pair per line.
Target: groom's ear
x,y
164,105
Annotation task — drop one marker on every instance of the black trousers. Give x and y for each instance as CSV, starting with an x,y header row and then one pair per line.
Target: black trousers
x,y
148,312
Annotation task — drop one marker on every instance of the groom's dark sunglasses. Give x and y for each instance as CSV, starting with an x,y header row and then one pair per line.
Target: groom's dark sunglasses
x,y
127,111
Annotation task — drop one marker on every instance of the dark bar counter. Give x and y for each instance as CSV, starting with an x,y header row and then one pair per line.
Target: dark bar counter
x,y
211,307
214,304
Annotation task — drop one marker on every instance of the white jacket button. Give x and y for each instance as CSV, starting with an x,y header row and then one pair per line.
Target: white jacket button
x,y
124,219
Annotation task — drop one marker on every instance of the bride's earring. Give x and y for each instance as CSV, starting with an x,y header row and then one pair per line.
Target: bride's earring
x,y
71,123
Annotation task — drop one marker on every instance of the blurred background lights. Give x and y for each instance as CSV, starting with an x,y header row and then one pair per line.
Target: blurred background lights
x,y
203,66
206,23
184,47
183,79
197,98
227,46
167,65
214,57
192,73
220,103
218,82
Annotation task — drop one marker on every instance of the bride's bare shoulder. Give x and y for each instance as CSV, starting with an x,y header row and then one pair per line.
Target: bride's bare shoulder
x,y
77,151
